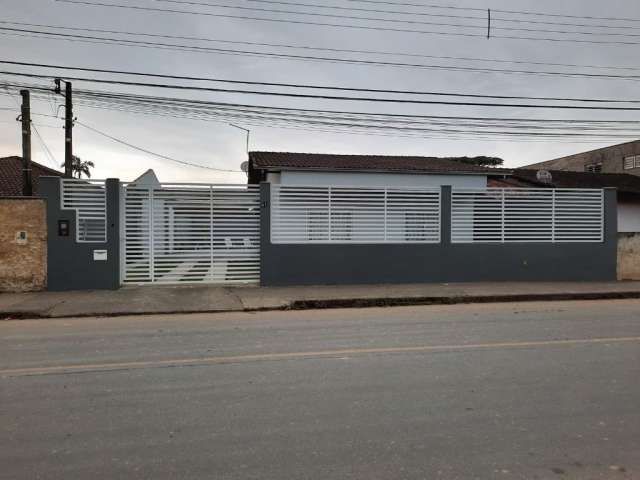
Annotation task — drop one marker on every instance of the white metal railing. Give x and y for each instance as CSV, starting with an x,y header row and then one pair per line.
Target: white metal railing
x,y
544,215
333,214
89,199
191,233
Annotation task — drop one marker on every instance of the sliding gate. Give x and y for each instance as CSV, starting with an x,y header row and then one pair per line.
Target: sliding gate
x,y
175,233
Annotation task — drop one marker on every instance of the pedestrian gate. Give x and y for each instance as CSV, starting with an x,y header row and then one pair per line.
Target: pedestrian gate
x,y
175,233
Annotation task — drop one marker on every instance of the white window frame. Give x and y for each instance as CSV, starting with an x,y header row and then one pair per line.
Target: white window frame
x,y
630,162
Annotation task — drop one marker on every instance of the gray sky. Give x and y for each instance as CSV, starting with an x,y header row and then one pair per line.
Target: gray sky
x,y
217,144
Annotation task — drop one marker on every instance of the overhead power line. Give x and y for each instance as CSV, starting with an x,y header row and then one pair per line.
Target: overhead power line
x,y
339,25
395,20
45,148
279,84
399,123
340,121
287,56
315,48
315,14
164,157
329,97
173,101
443,15
477,9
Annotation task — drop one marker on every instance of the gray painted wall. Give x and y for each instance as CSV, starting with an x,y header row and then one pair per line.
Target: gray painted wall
x,y
70,264
444,262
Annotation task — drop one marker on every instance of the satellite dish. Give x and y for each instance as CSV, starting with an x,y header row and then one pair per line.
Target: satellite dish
x,y
244,166
544,176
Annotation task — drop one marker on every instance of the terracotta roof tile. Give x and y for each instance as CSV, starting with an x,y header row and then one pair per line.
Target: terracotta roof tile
x,y
387,163
11,176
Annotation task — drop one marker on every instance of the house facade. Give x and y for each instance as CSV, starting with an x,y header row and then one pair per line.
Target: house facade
x,y
385,219
313,169
305,219
622,158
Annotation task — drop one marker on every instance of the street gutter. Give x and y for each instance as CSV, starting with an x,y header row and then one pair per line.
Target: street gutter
x,y
335,303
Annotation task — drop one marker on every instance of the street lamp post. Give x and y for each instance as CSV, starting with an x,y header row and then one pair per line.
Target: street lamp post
x,y
244,129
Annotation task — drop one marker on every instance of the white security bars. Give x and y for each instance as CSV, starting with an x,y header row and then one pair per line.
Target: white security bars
x,y
527,215
192,233
89,199
308,214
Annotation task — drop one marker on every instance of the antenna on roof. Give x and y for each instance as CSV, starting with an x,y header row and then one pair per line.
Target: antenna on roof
x,y
544,176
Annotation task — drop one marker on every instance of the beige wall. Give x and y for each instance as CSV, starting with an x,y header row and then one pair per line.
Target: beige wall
x,y
628,216
611,158
23,263
629,256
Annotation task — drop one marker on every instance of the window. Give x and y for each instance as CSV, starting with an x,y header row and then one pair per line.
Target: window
x,y
593,168
632,161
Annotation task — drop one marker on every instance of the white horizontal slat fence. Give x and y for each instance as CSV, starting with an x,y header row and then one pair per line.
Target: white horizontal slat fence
x,y
89,199
509,215
331,214
192,233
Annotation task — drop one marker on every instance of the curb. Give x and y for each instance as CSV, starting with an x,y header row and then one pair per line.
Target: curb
x,y
453,300
354,303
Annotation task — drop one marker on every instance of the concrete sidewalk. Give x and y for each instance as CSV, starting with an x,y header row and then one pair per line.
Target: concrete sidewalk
x,y
207,298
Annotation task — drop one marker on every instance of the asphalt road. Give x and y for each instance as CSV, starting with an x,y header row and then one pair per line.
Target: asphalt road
x,y
521,390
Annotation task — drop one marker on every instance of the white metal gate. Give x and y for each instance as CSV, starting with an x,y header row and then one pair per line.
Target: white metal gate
x,y
175,233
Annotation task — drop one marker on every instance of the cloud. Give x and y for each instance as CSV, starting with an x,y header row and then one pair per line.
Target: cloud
x,y
217,144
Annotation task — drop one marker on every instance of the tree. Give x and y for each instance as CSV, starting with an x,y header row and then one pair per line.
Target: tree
x,y
482,161
79,167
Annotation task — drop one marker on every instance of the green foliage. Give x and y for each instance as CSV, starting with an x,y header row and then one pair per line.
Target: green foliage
x,y
79,167
481,161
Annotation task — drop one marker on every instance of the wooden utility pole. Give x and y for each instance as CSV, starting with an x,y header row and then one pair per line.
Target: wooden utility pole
x,y
27,189
68,131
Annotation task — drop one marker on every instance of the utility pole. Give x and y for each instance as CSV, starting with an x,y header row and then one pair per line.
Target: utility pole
x,y
27,190
68,131
68,126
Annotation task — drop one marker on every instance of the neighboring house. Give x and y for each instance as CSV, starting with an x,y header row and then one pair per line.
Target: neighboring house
x,y
363,170
622,158
11,176
23,236
627,186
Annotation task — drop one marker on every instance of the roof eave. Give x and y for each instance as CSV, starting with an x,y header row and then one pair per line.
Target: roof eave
x,y
372,170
